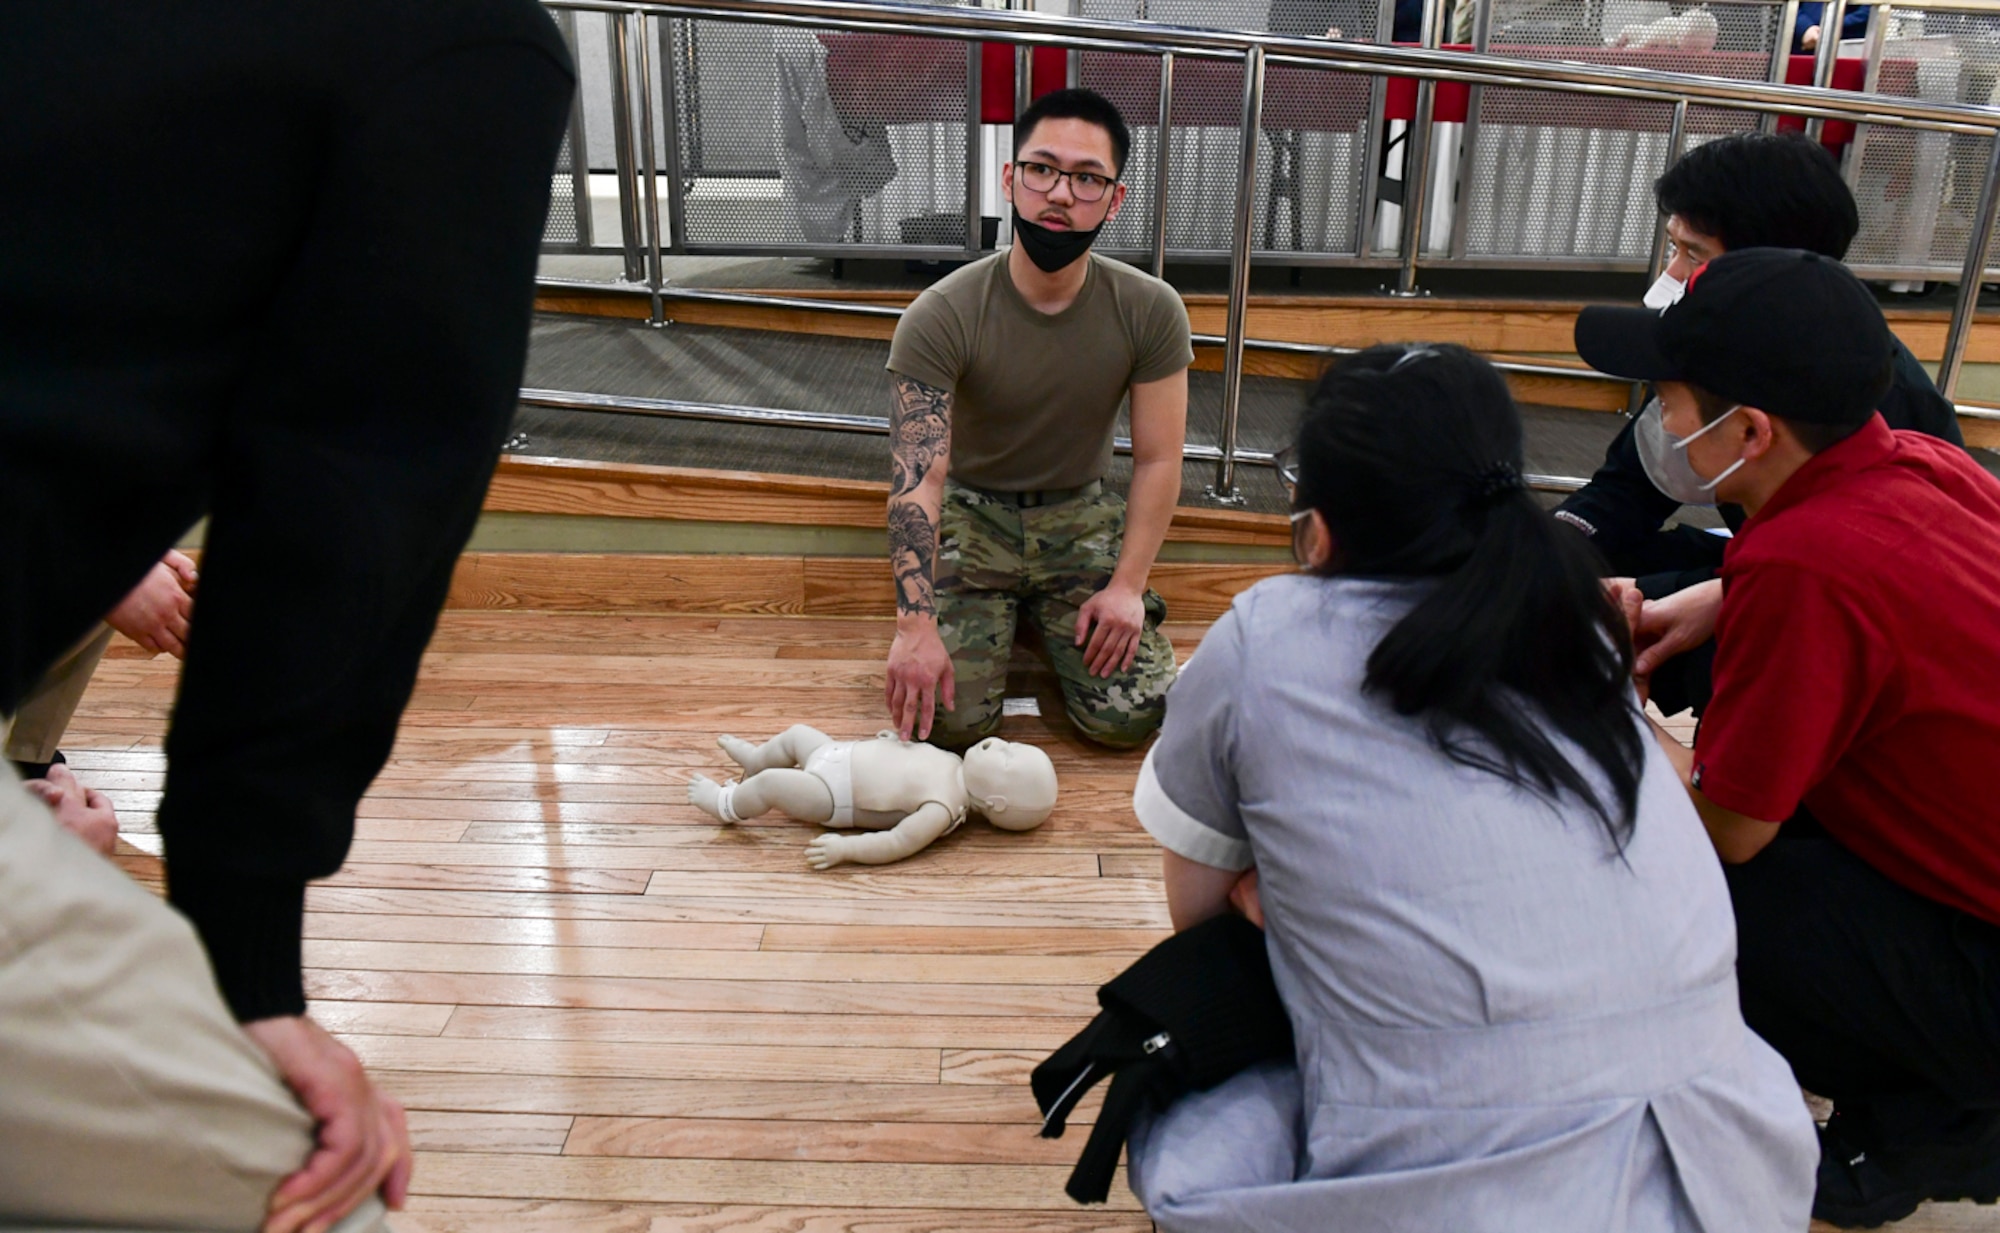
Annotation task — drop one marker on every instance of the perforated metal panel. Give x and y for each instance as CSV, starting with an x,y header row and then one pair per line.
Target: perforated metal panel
x,y
568,222
1568,177
792,137
1207,148
1355,19
1310,149
1132,83
1918,192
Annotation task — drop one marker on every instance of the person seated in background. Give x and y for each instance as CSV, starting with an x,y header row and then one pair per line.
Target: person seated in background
x,y
1334,19
1502,939
828,163
1753,190
1807,26
1843,767
155,615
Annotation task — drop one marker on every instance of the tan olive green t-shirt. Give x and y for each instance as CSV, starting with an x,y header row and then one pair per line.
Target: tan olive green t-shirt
x,y
1035,395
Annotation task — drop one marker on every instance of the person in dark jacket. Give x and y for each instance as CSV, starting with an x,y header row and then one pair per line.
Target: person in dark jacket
x,y
1807,30
1353,19
1754,190
272,264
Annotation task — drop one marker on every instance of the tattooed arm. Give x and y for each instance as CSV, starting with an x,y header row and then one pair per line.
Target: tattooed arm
x,y
919,667
920,434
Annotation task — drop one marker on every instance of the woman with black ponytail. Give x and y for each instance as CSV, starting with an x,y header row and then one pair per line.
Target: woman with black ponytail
x,y
1498,928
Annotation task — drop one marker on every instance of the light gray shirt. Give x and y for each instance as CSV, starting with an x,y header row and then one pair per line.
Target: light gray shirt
x,y
1467,963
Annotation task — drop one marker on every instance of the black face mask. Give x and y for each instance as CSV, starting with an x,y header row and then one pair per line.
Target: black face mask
x,y
1051,250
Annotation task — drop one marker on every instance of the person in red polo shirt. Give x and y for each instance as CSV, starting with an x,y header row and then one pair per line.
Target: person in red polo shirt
x,y
1843,768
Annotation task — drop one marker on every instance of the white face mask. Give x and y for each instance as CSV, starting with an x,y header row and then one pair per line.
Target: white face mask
x,y
1664,456
1665,292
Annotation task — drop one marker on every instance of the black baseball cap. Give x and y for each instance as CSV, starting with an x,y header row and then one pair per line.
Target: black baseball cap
x,y
1780,329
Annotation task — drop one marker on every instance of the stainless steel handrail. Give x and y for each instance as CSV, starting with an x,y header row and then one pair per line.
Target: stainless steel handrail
x,y
1150,37
1224,489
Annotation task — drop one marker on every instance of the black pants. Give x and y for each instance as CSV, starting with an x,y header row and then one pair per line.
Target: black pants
x,y
1884,1001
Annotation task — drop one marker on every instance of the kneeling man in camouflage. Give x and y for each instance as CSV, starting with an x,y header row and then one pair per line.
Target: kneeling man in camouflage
x,y
1008,377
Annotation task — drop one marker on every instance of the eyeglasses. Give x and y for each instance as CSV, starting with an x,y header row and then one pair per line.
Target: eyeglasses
x,y
1674,252
1085,185
1286,463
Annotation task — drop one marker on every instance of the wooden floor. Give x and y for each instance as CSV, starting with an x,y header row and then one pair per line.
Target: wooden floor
x,y
607,1014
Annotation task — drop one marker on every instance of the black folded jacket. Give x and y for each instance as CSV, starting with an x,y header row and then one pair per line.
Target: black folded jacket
x,y
1193,1011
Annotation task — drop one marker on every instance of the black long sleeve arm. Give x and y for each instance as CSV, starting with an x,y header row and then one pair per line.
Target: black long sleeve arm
x,y
331,388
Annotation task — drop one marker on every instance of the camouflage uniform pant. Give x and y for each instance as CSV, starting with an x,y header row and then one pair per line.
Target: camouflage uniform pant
x,y
995,561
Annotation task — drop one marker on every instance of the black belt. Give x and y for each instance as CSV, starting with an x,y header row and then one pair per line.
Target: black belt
x,y
1043,496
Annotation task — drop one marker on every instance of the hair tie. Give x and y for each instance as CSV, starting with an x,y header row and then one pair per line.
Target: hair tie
x,y
1495,483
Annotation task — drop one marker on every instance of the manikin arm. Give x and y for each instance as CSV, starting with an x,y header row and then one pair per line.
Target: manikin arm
x,y
913,834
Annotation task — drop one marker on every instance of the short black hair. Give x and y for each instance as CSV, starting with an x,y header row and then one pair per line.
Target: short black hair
x,y
1814,437
1076,104
1762,190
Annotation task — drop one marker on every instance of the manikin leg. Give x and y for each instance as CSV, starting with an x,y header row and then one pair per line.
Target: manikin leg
x,y
773,782
789,748
792,793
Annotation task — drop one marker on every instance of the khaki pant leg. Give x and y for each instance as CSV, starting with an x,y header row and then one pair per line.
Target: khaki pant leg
x,y
129,1098
34,730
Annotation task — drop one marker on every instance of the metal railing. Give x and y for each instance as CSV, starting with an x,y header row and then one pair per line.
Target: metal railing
x,y
633,35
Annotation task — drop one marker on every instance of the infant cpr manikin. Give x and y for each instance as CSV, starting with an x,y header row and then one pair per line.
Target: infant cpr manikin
x,y
902,793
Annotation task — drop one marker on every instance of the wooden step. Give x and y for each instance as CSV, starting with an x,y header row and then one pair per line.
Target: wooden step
x,y
529,485
634,583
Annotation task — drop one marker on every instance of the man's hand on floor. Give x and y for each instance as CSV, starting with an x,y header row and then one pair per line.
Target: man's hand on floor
x,y
363,1142
84,812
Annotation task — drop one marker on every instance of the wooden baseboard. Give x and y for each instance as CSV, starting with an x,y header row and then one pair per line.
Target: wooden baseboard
x,y
765,585
621,490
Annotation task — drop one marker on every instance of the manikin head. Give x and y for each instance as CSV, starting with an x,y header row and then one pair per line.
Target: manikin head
x,y
1012,785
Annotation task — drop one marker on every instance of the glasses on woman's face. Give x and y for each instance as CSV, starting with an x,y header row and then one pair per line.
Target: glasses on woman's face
x,y
1083,185
1286,463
